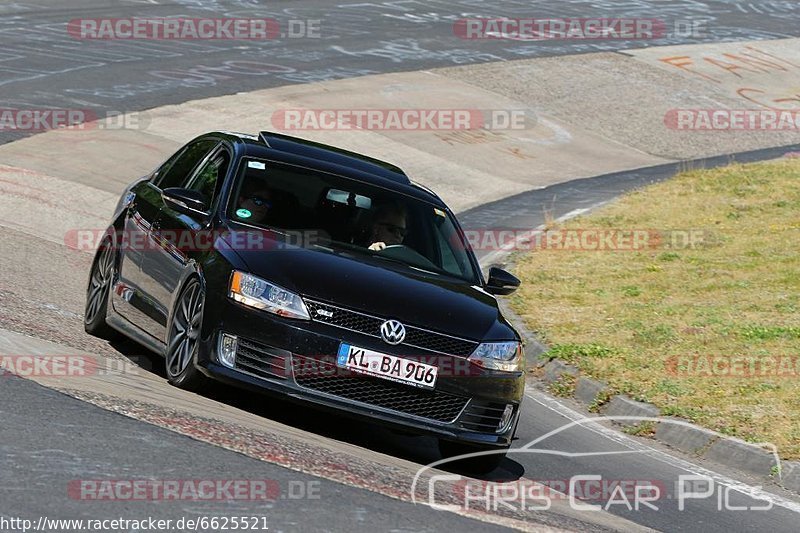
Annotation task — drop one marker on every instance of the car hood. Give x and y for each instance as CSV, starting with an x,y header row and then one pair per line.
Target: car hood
x,y
383,289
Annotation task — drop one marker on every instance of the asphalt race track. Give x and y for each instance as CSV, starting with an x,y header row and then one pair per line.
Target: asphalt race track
x,y
41,65
48,439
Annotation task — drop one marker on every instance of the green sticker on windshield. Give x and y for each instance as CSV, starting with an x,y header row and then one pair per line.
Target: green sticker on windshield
x,y
243,213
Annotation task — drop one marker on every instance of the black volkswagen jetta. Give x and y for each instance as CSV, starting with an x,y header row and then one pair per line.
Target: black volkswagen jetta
x,y
321,275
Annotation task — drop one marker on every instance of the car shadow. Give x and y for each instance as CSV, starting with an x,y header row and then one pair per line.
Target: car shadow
x,y
422,450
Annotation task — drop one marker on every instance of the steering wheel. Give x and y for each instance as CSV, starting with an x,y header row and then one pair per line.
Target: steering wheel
x,y
408,255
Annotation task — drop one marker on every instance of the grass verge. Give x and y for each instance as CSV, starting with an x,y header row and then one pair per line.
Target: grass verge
x,y
704,319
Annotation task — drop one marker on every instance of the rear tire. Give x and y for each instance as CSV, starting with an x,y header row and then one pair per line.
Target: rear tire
x,y
183,340
97,293
480,464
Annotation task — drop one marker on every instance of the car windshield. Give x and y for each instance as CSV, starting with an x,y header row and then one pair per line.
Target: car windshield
x,y
341,215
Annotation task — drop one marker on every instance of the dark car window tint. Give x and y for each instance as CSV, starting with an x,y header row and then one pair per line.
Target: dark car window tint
x,y
329,210
181,169
210,176
450,262
166,166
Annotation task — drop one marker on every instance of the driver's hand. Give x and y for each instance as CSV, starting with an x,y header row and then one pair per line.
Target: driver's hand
x,y
377,246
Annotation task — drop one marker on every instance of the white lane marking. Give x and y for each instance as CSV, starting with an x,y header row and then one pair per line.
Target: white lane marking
x,y
509,247
575,212
620,438
505,249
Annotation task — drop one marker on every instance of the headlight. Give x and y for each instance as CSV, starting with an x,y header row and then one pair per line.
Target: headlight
x,y
256,292
505,356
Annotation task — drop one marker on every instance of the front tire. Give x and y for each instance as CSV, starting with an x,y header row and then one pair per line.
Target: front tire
x,y
480,464
183,340
97,293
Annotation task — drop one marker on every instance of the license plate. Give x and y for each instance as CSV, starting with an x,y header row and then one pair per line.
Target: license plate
x,y
381,365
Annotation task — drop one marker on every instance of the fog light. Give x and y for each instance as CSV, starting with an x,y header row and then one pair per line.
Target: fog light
x,y
227,350
505,420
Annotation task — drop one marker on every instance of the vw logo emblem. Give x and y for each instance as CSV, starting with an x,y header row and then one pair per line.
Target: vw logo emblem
x,y
393,332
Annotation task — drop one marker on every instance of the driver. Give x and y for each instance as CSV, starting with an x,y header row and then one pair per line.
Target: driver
x,y
388,226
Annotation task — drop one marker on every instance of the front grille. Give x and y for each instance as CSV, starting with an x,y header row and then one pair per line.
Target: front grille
x,y
431,404
261,360
482,417
371,325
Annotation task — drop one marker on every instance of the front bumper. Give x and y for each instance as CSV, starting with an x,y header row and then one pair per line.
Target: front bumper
x,y
296,360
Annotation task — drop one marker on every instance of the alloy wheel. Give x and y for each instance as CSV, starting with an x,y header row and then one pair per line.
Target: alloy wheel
x,y
184,335
99,283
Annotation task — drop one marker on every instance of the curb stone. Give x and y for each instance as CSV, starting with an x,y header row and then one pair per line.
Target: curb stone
x,y
555,369
744,456
587,390
790,478
621,405
687,438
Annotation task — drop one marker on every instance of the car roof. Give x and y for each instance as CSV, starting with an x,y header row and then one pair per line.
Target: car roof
x,y
326,158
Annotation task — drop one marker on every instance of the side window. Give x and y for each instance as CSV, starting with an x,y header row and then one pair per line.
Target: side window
x,y
449,261
451,250
180,170
160,171
210,175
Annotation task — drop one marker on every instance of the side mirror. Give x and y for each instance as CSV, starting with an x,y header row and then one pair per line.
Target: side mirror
x,y
501,282
186,201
